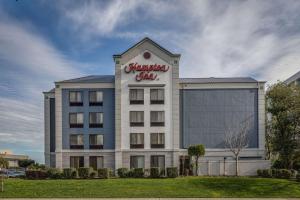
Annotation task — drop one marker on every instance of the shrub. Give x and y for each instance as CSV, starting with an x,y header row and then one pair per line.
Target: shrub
x,y
122,172
69,173
147,173
172,172
266,173
284,173
274,173
36,174
138,172
298,177
54,173
92,174
130,174
103,173
83,172
278,164
154,172
259,172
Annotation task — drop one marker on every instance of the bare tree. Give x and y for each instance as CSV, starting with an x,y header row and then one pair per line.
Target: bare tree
x,y
236,140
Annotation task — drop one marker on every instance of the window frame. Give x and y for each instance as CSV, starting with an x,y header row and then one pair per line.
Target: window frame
x,y
76,146
132,157
97,167
76,103
157,101
96,146
138,124
157,156
136,101
76,125
99,103
157,146
96,125
80,162
137,146
157,123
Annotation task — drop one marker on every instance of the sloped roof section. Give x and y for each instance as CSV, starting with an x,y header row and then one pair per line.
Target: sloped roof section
x,y
218,80
293,78
91,79
151,41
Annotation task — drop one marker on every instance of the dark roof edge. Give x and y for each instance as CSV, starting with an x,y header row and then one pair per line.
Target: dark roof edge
x,y
154,43
292,78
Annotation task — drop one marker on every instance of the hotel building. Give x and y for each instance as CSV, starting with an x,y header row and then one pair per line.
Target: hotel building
x,y
146,116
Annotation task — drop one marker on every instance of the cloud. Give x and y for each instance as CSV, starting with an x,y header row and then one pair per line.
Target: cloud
x,y
29,65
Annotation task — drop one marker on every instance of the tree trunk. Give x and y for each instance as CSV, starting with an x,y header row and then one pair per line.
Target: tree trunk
x,y
237,165
197,165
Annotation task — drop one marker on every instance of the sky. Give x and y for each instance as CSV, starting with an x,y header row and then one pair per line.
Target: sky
x,y
46,41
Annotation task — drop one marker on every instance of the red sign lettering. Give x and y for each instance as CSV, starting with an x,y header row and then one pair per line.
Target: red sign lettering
x,y
145,72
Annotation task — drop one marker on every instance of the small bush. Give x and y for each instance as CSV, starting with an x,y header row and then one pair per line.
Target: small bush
x,y
54,173
69,173
154,172
284,173
259,173
92,174
266,173
130,174
83,172
138,172
274,173
122,172
36,174
103,173
172,172
298,177
147,173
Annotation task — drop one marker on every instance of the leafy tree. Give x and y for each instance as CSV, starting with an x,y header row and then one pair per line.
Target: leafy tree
x,y
196,151
26,163
283,107
3,165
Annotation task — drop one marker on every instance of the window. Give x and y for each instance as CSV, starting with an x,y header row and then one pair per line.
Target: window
x,y
96,98
157,140
76,120
158,161
137,161
75,98
76,161
136,96
157,96
96,120
136,118
76,142
96,141
136,140
96,162
157,118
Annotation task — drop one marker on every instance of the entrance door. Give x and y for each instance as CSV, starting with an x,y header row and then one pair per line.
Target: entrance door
x,y
184,168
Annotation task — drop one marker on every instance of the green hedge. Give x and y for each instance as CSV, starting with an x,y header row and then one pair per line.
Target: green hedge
x,y
36,174
172,172
275,173
138,173
154,172
103,173
83,172
93,174
69,173
122,172
54,173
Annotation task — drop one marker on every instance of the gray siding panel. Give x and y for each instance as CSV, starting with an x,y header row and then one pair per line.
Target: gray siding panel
x,y
108,110
207,113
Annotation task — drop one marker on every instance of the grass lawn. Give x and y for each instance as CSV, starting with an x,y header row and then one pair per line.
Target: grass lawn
x,y
179,187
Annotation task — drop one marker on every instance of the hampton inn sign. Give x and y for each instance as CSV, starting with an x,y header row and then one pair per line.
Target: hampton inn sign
x,y
146,116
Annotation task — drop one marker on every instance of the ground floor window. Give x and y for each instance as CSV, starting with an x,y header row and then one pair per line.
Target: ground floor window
x,y
76,161
137,161
158,161
96,162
